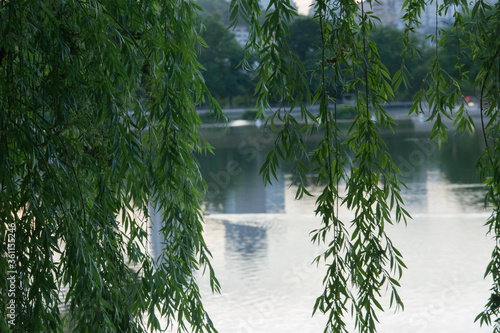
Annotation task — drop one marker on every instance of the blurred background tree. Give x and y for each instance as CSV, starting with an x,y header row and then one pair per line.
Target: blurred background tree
x,y
224,76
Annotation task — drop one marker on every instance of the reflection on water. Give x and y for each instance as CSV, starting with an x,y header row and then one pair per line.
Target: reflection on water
x,y
247,242
259,236
232,175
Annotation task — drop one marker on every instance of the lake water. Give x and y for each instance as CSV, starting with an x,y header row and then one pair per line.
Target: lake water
x,y
259,236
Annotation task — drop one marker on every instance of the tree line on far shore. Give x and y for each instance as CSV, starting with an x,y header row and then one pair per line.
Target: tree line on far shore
x,y
235,86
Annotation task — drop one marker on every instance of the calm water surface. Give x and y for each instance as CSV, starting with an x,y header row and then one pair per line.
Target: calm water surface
x,y
259,237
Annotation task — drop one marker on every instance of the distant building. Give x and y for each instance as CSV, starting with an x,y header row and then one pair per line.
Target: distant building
x,y
241,34
390,13
265,3
241,31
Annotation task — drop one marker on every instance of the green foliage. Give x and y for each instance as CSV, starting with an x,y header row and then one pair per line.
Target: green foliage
x,y
304,40
250,114
391,47
455,55
346,112
361,260
485,20
98,124
210,117
358,172
219,7
221,57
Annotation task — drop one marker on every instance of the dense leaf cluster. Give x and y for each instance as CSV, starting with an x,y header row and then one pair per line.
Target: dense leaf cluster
x,y
98,125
